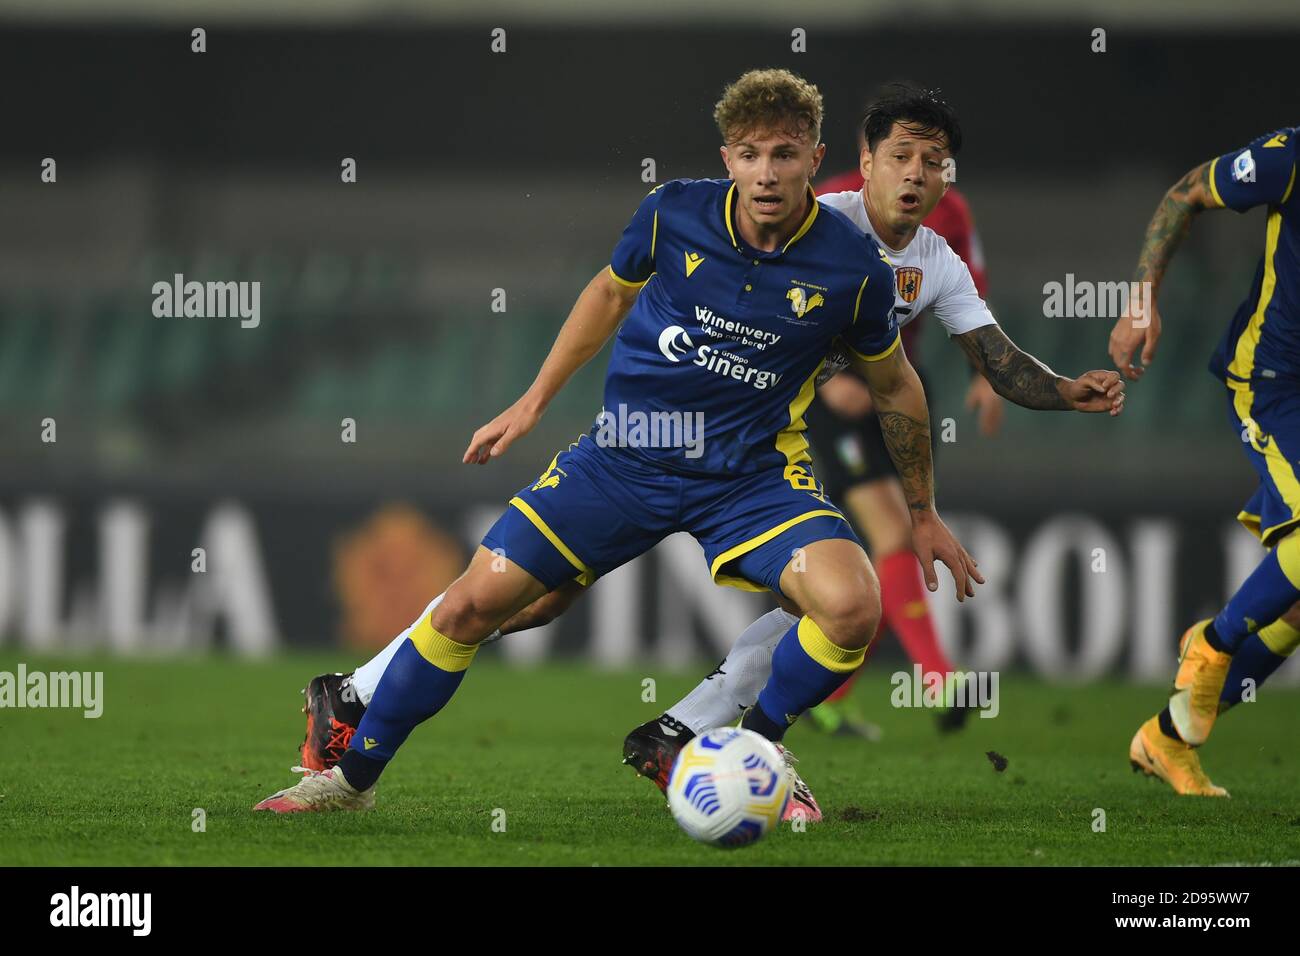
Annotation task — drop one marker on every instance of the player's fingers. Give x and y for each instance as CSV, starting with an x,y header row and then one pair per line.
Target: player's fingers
x,y
1119,352
505,441
927,569
972,567
1149,347
475,448
957,568
479,445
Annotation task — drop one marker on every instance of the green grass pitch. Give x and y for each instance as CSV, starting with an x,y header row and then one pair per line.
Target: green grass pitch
x,y
544,746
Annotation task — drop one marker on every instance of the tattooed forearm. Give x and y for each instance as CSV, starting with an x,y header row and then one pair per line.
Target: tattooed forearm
x,y
1015,375
908,441
1172,220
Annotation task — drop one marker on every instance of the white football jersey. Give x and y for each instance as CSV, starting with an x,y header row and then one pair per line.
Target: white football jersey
x,y
928,276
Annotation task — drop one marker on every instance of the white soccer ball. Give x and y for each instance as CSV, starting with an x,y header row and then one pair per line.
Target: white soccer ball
x,y
728,787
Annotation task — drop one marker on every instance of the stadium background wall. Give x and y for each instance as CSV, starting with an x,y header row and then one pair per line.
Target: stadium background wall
x,y
1072,594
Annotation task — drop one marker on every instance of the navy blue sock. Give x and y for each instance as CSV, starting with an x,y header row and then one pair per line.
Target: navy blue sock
x,y
1254,662
422,676
806,669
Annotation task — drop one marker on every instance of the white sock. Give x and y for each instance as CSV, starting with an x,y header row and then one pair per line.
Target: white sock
x,y
719,699
366,677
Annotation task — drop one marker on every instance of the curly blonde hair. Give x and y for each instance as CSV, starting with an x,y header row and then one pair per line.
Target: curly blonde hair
x,y
769,100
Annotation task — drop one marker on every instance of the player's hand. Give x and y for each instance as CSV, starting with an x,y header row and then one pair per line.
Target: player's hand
x,y
987,405
1135,330
1094,392
496,436
931,539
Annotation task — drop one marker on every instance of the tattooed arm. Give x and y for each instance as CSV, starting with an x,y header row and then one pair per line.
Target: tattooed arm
x,y
899,402
1191,195
1019,377
900,405
1015,375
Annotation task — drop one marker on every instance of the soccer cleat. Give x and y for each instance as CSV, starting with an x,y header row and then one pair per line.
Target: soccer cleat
x,y
1173,761
839,720
802,802
333,713
652,748
1194,701
318,791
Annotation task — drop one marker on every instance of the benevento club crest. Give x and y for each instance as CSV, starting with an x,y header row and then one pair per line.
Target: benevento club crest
x,y
908,279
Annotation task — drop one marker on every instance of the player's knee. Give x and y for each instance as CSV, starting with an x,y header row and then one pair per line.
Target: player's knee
x,y
465,614
849,618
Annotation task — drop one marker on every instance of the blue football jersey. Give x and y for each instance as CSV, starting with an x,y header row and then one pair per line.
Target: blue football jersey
x,y
1263,341
733,337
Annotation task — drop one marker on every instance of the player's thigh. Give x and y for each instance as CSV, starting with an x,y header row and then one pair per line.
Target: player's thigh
x,y
753,527
880,511
589,512
836,586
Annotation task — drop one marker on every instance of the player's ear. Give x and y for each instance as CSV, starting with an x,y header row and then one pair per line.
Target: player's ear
x,y
818,155
864,162
722,150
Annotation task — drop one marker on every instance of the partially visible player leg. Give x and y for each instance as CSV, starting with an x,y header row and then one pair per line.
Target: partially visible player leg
x,y
420,679
1163,746
880,511
719,699
335,703
1268,422
543,611
838,591
1259,656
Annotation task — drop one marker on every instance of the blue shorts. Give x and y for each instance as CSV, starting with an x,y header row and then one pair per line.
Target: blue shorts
x,y
596,508
1267,421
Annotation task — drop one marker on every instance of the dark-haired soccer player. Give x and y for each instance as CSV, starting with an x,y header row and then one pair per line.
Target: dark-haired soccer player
x,y
847,443
1258,360
733,292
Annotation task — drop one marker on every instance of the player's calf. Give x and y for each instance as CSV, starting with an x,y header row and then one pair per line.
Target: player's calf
x,y
837,589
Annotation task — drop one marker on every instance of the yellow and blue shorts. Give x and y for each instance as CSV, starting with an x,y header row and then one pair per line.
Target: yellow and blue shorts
x,y
596,508
1267,420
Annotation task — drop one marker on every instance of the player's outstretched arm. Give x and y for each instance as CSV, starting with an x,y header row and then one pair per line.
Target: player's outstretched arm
x,y
603,304
904,420
1139,327
1019,377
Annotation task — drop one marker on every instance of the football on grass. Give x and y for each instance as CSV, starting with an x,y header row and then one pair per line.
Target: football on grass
x,y
728,787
